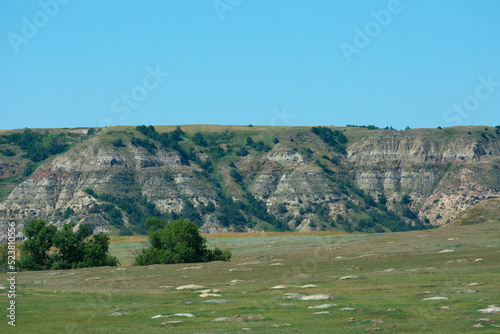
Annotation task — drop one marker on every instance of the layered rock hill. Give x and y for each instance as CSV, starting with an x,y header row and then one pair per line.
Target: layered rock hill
x,y
235,178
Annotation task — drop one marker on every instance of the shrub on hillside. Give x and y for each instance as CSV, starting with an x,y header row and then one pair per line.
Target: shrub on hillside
x,y
242,152
238,178
29,168
118,142
8,152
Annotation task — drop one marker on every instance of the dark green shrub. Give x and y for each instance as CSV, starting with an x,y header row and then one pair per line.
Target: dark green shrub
x,y
382,199
198,139
178,242
406,199
217,254
117,142
409,214
8,152
69,211
29,168
281,208
238,178
242,152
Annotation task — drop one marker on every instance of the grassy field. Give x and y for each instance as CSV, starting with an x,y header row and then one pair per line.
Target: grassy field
x,y
392,274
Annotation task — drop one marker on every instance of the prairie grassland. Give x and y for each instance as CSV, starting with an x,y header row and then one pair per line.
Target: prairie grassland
x,y
388,278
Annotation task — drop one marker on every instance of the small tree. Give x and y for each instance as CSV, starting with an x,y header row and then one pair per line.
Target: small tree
x,y
178,242
117,142
198,139
238,178
242,152
406,199
382,199
69,211
47,248
35,249
96,252
282,208
70,245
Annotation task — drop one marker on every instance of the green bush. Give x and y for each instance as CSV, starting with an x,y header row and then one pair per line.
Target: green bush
x,y
149,146
217,254
406,199
281,208
382,199
69,211
8,152
261,146
198,139
409,214
29,168
178,242
117,142
242,152
238,178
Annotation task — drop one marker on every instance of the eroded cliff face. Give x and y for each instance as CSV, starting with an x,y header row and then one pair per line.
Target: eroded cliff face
x,y
443,173
60,182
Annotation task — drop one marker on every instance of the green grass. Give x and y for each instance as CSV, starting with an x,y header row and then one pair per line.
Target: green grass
x,y
75,302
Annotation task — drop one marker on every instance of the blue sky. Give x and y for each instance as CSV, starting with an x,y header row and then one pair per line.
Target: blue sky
x,y
69,63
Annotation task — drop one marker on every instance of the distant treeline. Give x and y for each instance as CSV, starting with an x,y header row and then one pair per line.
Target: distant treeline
x,y
372,127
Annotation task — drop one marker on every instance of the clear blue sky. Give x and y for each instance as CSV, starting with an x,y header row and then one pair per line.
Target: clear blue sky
x,y
280,62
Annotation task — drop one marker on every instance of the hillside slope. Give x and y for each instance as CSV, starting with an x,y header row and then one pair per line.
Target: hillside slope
x,y
483,212
235,178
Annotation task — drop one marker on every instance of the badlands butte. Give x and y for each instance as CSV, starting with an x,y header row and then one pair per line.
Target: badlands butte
x,y
251,178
